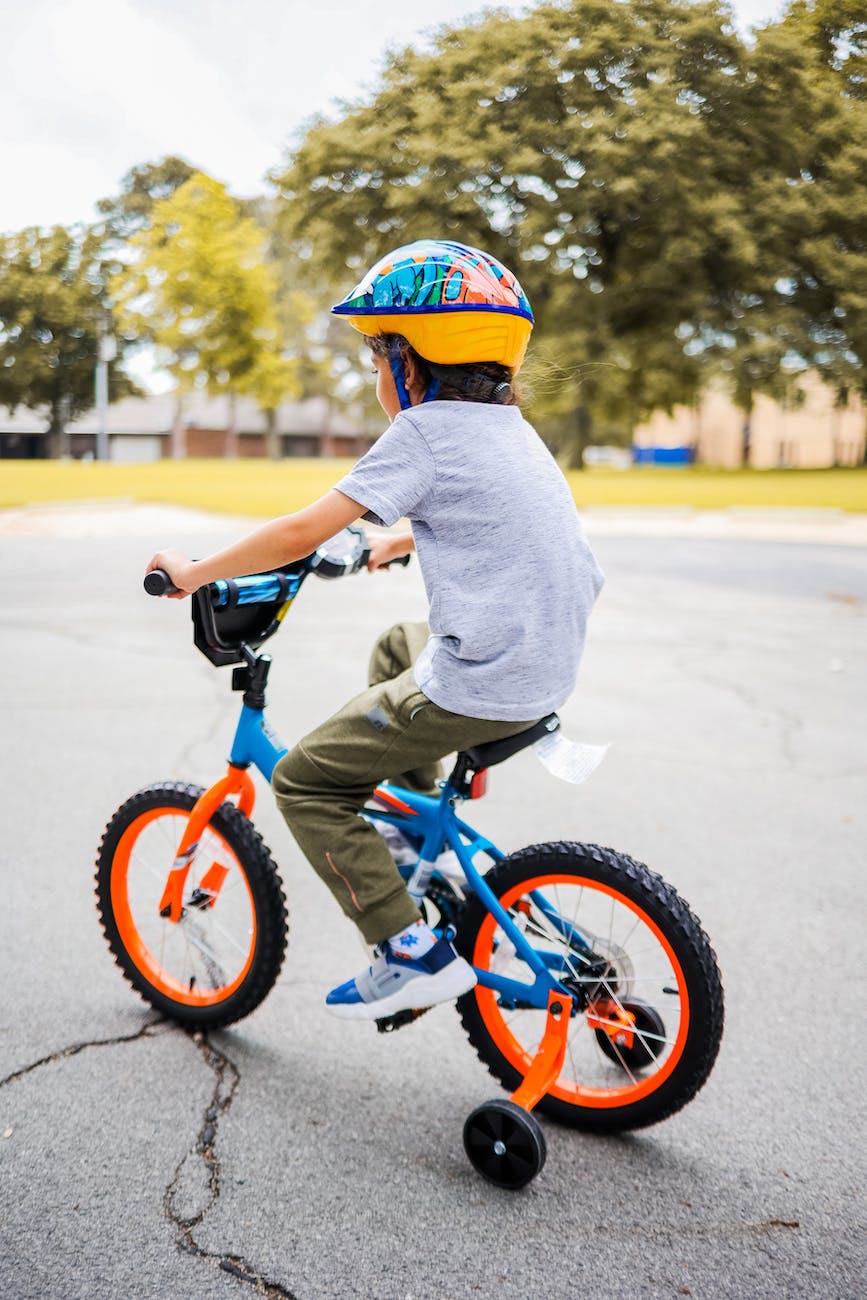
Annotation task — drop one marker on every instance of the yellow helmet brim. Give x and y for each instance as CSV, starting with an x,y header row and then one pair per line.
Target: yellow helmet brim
x,y
455,338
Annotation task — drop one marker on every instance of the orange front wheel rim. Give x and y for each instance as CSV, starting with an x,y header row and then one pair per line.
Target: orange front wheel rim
x,y
203,958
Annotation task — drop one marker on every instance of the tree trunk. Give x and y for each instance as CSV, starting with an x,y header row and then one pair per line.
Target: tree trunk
x,y
582,433
54,432
231,445
179,432
746,435
58,436
272,436
695,446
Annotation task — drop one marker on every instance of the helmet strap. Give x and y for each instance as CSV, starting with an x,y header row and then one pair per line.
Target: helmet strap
x,y
395,361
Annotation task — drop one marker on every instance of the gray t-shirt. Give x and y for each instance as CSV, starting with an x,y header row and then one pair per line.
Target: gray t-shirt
x,y
509,575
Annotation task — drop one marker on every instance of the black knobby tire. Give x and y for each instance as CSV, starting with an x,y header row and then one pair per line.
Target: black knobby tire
x,y
684,1065
257,885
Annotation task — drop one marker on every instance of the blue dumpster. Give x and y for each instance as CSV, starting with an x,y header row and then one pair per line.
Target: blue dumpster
x,y
663,455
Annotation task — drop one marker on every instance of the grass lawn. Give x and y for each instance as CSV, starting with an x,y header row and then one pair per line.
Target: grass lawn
x,y
261,487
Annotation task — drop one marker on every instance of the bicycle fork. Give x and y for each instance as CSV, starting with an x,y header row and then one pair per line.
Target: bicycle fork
x,y
255,744
237,781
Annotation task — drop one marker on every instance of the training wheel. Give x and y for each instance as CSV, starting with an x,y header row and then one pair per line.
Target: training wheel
x,y
504,1143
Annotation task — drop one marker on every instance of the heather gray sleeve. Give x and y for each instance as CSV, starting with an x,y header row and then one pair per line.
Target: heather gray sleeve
x,y
395,477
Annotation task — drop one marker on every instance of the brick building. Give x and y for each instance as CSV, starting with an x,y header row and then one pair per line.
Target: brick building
x,y
147,428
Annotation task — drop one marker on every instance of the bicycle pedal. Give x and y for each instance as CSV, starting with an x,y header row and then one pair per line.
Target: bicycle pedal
x,y
388,1024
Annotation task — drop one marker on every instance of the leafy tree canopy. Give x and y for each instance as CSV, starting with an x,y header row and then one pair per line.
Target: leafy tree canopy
x,y
143,186
197,286
52,311
814,216
638,166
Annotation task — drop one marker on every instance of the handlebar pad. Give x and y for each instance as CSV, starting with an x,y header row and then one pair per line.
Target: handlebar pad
x,y
158,583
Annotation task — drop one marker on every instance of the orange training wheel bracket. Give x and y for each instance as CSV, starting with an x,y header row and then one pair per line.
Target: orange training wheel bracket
x,y
548,1061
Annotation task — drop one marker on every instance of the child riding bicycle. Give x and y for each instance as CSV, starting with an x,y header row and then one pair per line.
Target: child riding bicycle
x,y
509,576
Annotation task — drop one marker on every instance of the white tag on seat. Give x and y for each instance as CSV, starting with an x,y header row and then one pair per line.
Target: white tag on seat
x,y
568,759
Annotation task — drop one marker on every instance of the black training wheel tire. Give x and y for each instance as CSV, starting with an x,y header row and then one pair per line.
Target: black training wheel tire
x,y
504,1144
263,882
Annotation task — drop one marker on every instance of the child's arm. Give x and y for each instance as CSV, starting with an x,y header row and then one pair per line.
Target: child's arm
x,y
389,546
280,541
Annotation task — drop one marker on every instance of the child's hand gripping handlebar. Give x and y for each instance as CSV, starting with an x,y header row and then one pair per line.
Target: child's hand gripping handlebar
x,y
346,553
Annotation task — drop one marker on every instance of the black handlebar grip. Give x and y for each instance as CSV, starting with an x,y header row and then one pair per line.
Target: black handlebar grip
x,y
402,559
158,583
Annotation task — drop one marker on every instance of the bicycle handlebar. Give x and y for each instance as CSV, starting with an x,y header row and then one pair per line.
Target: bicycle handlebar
x,y
158,582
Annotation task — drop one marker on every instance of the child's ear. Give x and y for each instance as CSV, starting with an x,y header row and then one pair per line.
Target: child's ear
x,y
416,386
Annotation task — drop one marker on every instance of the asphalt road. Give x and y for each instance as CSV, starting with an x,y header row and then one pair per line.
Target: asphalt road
x,y
325,1161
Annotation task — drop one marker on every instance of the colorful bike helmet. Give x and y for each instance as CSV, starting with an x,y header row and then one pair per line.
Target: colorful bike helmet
x,y
454,305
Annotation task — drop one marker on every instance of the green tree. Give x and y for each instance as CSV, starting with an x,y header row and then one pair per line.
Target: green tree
x,y
196,286
126,213
800,298
303,303
586,144
676,202
52,310
324,355
822,223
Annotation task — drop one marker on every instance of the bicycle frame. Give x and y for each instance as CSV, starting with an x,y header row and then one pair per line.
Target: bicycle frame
x,y
433,821
436,823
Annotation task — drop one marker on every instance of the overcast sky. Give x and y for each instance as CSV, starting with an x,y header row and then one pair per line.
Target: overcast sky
x,y
89,88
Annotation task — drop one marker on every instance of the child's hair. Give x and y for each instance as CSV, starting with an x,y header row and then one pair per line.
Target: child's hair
x,y
476,381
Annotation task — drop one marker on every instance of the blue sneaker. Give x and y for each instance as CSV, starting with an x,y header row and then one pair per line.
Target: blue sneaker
x,y
396,983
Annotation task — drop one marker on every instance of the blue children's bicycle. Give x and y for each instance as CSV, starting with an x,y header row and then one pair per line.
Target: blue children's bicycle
x,y
598,1001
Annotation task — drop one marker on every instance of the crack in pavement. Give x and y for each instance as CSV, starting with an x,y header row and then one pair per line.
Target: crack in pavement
x,y
202,1162
74,1048
788,723
226,1080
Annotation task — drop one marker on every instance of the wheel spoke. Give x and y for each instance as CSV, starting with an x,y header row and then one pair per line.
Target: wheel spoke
x,y
623,1064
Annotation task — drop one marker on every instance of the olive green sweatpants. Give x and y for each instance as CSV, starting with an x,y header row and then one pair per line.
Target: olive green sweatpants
x,y
391,731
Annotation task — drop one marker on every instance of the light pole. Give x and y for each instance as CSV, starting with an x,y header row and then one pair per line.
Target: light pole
x,y
107,351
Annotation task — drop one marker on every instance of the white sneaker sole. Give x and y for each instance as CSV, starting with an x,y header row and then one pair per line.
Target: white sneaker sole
x,y
423,991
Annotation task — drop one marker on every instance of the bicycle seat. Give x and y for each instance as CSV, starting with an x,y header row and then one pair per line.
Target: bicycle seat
x,y
497,751
479,757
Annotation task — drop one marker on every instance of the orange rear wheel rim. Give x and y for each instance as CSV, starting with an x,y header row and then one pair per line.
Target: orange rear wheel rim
x,y
517,1055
